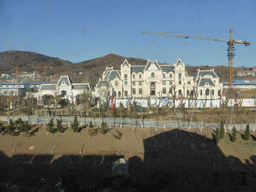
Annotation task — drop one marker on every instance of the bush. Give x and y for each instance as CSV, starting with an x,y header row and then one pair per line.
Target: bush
x,y
75,125
50,127
118,135
233,139
90,125
222,131
217,135
26,128
59,126
103,129
247,133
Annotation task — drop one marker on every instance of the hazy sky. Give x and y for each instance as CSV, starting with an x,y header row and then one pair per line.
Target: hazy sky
x,y
79,30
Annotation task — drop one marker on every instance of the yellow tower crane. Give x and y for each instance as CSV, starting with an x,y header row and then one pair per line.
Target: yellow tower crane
x,y
229,41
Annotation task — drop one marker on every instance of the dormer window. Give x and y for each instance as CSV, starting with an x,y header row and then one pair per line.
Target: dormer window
x,y
152,74
170,75
63,83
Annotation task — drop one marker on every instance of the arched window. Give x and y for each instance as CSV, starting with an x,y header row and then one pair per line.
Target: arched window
x,y
152,74
63,92
187,93
116,83
179,92
207,91
114,94
119,93
126,93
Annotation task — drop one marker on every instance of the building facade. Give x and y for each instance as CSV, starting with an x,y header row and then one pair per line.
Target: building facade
x,y
65,88
154,80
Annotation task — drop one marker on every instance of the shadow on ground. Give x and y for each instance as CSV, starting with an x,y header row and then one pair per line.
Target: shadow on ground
x,y
174,161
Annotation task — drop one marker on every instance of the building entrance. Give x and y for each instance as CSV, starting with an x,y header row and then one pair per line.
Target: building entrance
x,y
152,89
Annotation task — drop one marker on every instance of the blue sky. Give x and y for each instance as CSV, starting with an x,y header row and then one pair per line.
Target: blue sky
x,y
79,30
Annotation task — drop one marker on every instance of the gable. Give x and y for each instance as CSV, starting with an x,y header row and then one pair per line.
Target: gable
x,y
152,65
66,80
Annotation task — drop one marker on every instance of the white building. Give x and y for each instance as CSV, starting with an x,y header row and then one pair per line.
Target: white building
x,y
154,80
65,88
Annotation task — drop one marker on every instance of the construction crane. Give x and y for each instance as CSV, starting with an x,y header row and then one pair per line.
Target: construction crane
x,y
44,67
229,41
17,69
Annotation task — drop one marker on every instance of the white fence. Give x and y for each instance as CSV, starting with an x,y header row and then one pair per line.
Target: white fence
x,y
200,103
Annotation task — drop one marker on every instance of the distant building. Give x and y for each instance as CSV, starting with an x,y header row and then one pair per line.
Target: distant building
x,y
13,89
241,83
245,73
154,80
65,88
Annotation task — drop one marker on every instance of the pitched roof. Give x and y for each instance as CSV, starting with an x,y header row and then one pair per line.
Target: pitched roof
x,y
137,69
48,87
65,79
125,63
179,62
114,74
167,68
149,63
206,81
204,73
81,86
103,83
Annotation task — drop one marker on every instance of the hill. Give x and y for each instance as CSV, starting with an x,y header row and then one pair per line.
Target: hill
x,y
86,71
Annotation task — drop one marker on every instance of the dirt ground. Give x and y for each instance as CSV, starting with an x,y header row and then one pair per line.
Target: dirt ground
x,y
131,144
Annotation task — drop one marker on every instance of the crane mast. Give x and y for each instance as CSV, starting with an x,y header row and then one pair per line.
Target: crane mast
x,y
229,41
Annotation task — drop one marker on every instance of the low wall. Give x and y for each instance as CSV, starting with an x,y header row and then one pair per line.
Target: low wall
x,y
143,123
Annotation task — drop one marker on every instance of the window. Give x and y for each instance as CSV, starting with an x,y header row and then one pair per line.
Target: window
x,y
170,75
140,83
207,91
139,75
134,91
213,92
63,92
126,93
125,76
219,91
187,93
189,82
164,90
201,92
179,82
114,94
179,92
116,83
163,75
179,75
119,93
140,91
133,83
125,82
133,76
170,90
170,83
164,82
152,74
192,93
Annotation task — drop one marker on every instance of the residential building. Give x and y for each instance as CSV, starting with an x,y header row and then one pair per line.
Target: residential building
x,y
65,88
155,80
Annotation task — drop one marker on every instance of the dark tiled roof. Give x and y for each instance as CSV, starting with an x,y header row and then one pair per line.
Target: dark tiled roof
x,y
179,62
114,74
126,63
205,81
203,73
81,86
67,80
105,83
167,68
137,69
152,63
107,75
48,87
106,71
